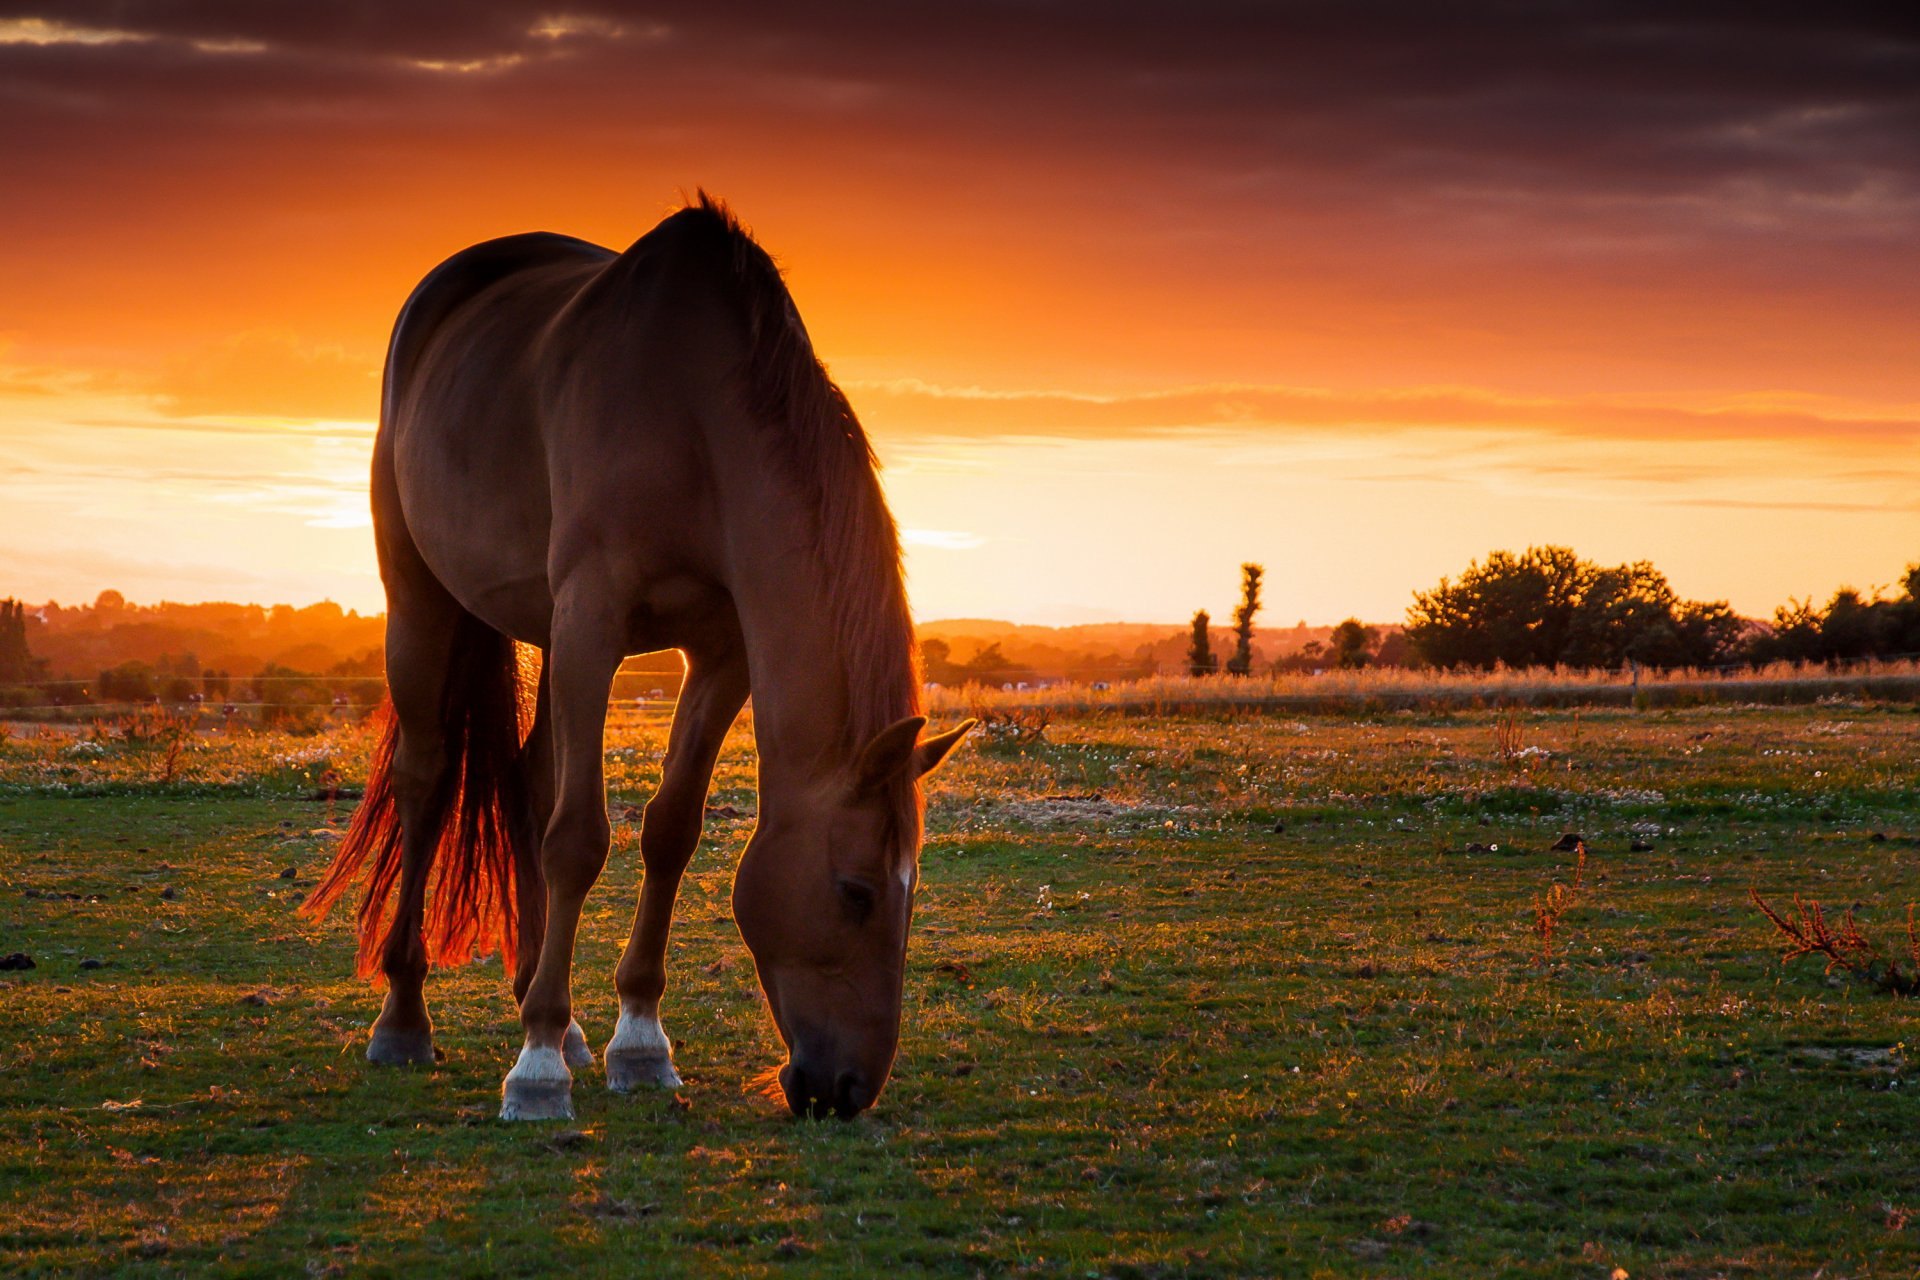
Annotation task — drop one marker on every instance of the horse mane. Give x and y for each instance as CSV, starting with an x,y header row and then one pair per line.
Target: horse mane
x,y
828,455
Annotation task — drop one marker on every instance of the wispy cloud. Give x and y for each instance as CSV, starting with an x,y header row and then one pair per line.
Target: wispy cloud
x,y
943,539
907,407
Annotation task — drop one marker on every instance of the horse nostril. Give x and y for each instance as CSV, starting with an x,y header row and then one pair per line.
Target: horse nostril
x,y
793,1085
851,1094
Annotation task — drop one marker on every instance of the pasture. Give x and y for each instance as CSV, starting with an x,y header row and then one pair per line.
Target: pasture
x,y
1214,995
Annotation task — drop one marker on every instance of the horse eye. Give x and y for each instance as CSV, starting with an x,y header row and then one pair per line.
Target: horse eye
x,y
857,898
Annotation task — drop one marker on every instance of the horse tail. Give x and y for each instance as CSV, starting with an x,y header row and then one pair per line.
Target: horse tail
x,y
486,855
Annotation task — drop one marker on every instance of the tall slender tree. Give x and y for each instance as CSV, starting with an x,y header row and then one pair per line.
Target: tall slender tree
x,y
1201,659
1242,661
17,663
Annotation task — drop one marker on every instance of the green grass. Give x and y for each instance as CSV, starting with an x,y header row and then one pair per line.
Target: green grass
x,y
1147,1034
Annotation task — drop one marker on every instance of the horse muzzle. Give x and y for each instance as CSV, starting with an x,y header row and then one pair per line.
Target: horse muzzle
x,y
811,1091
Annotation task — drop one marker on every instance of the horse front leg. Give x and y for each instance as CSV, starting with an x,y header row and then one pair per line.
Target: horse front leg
x,y
640,1053
585,653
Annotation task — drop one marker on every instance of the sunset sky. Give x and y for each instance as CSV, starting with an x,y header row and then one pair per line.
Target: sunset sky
x,y
1126,294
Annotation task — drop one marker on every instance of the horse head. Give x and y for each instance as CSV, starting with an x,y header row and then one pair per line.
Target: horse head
x,y
823,899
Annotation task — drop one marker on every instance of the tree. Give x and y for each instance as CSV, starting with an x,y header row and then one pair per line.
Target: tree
x,y
128,682
937,664
1201,660
1547,607
1851,627
1848,626
1352,644
17,663
1241,663
987,666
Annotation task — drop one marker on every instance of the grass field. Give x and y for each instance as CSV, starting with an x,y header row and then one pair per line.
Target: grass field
x,y
1238,995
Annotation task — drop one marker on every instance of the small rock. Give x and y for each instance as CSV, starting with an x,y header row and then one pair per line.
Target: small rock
x,y
1474,846
261,998
1640,846
1279,828
1878,837
1567,843
16,960
290,873
606,1206
91,963
169,893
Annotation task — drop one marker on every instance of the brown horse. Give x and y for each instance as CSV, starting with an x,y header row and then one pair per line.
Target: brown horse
x,y
597,455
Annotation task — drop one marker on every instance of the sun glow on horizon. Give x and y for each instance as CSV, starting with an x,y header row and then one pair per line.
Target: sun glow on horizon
x,y
1362,344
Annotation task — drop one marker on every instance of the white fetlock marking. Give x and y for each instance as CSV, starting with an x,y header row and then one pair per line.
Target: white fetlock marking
x,y
538,1064
640,1054
641,1035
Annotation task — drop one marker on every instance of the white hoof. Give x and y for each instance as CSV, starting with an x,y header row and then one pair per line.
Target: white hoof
x,y
538,1088
574,1048
639,1056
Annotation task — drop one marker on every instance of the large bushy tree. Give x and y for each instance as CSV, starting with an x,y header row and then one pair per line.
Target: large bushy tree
x,y
1548,607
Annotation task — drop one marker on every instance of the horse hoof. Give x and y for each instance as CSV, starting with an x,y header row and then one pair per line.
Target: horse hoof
x,y
538,1088
574,1048
397,1048
628,1070
539,1100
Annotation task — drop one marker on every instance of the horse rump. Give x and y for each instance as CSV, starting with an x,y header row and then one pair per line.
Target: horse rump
x,y
485,855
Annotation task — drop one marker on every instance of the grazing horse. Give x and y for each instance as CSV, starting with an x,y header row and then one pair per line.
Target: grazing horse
x,y
601,454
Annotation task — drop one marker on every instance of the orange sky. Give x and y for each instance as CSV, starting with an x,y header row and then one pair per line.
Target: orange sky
x,y
1361,292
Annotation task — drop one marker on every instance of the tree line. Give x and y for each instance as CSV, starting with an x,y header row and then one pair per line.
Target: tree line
x,y
1548,607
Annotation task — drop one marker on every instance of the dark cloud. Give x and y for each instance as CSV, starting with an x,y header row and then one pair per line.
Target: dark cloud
x,y
1446,179
1467,102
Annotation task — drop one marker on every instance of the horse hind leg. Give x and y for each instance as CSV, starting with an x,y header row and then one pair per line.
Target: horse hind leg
x,y
585,653
640,1054
531,890
420,644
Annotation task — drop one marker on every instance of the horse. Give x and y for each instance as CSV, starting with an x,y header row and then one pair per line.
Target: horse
x,y
592,455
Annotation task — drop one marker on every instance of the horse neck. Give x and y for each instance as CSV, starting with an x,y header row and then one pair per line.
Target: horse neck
x,y
800,698
809,724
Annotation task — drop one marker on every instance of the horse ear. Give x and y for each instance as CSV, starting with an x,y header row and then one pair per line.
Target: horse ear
x,y
889,754
931,751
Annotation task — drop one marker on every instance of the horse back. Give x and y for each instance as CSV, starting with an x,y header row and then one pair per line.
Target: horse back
x,y
547,400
